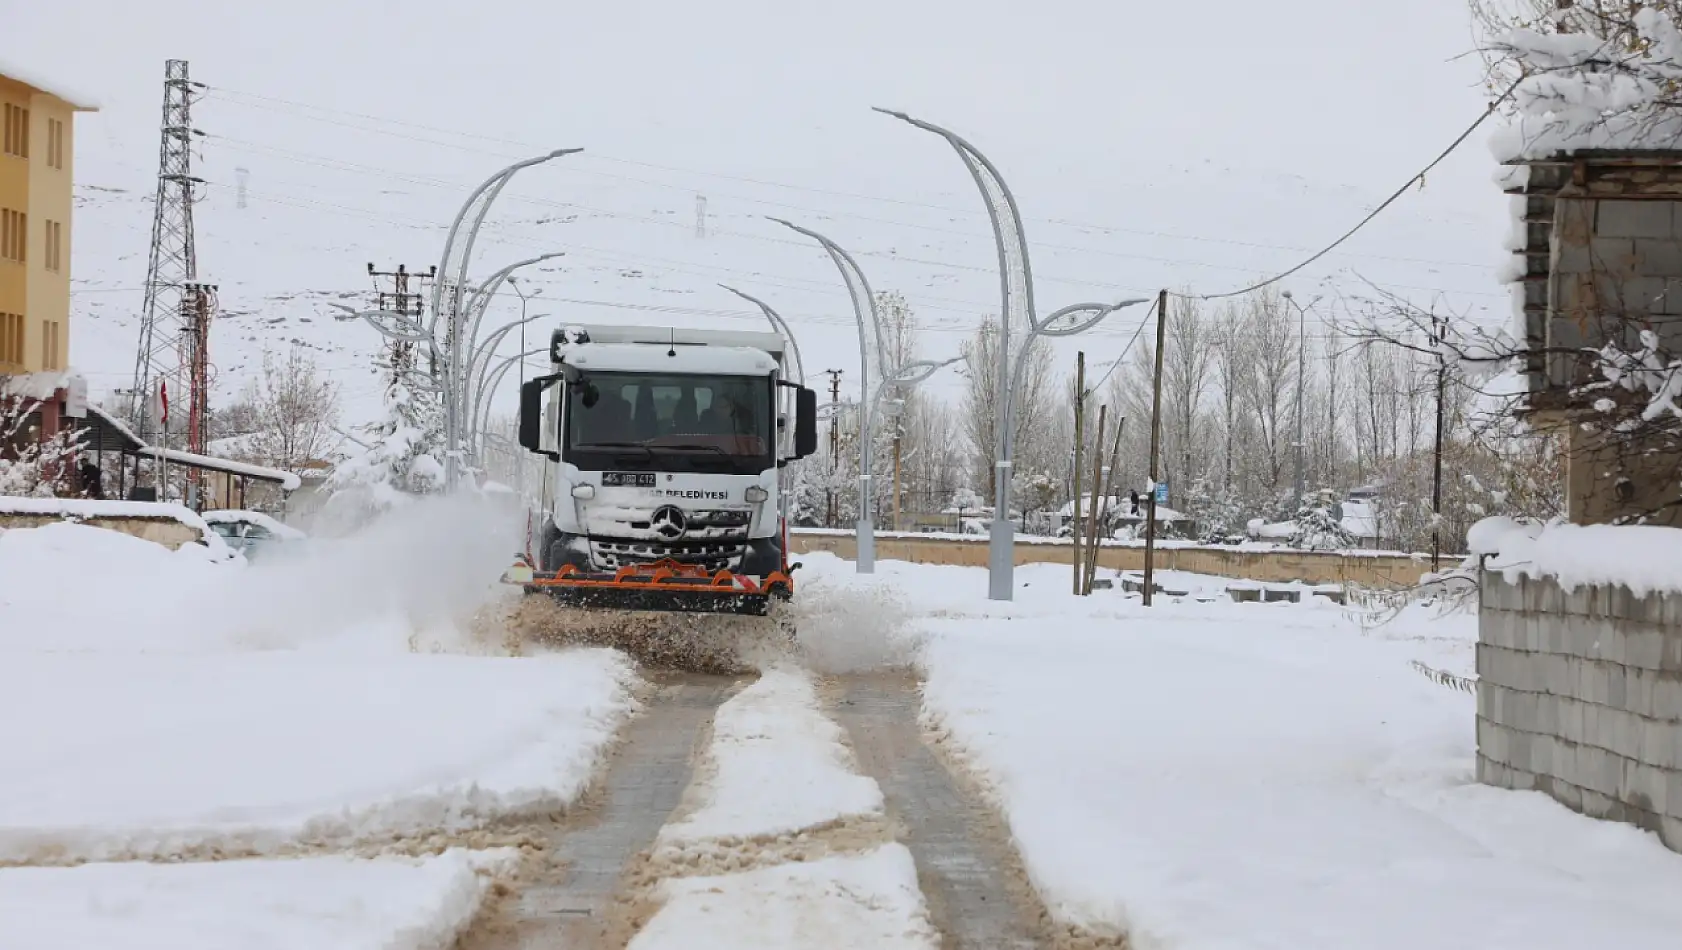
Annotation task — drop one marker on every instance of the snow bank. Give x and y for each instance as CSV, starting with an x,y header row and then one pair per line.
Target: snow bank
x,y
1644,558
69,586
421,571
345,904
1228,776
838,903
114,756
776,765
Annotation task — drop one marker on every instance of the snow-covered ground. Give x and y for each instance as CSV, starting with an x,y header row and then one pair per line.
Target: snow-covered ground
x,y
778,806
1257,775
331,902
776,766
117,757
850,900
159,706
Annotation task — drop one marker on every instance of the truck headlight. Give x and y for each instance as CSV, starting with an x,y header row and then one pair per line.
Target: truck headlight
x,y
584,492
755,494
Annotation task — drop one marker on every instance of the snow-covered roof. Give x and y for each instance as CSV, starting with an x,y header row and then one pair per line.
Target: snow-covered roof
x,y
36,386
286,480
644,358
41,82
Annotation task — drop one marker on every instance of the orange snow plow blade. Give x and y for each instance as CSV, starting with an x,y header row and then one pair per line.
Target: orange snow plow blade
x,y
659,586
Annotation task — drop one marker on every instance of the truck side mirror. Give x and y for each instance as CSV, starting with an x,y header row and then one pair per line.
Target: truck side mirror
x,y
531,415
805,422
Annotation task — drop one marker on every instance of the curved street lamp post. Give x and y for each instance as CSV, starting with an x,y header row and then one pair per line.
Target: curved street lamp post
x,y
870,365
1016,294
455,258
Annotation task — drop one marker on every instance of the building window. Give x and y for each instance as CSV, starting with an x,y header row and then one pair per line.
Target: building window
x,y
17,131
55,246
49,345
11,338
14,234
55,143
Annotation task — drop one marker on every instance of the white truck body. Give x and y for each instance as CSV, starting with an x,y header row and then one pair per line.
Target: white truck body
x,y
663,444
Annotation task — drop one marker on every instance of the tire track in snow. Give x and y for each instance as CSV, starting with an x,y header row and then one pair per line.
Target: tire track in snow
x,y
974,882
571,894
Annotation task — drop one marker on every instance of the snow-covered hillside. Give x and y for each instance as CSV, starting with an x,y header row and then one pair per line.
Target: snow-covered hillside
x,y
312,224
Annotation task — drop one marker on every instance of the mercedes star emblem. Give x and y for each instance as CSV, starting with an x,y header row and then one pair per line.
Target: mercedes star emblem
x,y
668,522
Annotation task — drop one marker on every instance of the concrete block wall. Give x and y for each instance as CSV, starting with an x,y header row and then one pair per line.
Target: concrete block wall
x,y
1580,697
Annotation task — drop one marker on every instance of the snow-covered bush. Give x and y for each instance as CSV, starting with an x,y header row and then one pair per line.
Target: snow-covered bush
x,y
404,460
1318,527
31,466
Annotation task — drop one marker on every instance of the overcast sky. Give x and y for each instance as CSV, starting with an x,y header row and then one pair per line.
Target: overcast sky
x,y
1062,93
1276,124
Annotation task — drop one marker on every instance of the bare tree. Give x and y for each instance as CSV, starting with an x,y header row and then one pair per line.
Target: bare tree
x,y
1269,388
294,410
1188,363
1038,443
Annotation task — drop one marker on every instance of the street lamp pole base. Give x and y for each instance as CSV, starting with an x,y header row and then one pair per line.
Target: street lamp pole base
x,y
866,546
1001,560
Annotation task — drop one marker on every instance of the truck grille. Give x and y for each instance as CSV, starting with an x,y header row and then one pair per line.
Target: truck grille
x,y
714,556
715,539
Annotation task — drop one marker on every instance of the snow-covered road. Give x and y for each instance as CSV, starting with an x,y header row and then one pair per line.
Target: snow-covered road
x,y
1055,772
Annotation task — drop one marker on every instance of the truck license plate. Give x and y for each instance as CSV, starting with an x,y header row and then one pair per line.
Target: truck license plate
x,y
628,479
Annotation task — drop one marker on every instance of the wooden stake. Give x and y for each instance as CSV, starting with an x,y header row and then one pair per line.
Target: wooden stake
x,y
1097,486
1109,492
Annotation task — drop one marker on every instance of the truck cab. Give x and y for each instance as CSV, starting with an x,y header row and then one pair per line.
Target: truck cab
x,y
665,445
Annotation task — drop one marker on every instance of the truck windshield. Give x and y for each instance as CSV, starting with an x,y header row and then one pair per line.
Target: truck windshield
x,y
666,422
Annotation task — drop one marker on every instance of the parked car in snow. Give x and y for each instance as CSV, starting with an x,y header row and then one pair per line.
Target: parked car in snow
x,y
252,533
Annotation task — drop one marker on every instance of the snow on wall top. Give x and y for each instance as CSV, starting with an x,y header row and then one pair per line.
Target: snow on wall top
x,y
94,508
1645,558
49,85
1583,92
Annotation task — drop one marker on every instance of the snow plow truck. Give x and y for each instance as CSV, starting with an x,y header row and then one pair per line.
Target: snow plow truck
x,y
663,453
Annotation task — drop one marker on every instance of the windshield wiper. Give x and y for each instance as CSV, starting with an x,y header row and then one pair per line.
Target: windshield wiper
x,y
614,445
695,447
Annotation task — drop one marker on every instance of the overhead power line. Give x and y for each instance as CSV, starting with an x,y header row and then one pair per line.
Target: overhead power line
x,y
254,100
1418,176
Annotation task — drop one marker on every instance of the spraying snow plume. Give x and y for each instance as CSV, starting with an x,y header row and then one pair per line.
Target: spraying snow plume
x,y
842,629
419,572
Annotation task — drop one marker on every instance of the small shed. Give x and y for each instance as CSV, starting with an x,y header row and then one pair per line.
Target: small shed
x,y
223,483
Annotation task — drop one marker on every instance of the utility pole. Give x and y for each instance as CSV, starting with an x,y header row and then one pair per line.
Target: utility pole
x,y
1302,369
1156,441
834,443
1080,435
1437,334
197,309
404,301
